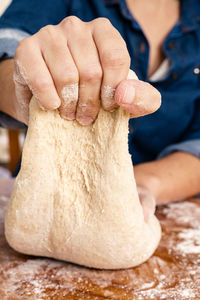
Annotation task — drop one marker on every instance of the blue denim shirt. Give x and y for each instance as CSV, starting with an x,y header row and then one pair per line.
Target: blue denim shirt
x,y
176,125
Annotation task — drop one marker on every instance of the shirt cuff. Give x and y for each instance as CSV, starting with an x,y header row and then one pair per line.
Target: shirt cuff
x,y
9,40
191,146
10,123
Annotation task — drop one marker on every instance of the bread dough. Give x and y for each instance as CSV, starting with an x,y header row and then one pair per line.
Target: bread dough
x,y
75,197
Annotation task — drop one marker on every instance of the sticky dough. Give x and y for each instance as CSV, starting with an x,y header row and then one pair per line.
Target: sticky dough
x,y
75,197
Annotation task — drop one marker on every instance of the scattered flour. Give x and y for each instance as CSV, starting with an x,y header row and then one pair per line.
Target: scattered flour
x,y
173,274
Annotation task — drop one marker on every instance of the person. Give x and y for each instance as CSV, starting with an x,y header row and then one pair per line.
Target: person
x,y
85,49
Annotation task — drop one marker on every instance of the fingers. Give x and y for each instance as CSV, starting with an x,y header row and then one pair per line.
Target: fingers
x,y
114,57
72,65
63,70
23,94
137,97
85,55
35,74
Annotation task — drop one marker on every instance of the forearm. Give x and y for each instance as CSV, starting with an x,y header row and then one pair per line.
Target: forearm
x,y
171,178
7,89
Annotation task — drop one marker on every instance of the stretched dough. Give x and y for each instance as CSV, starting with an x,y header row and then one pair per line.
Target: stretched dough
x,y
75,197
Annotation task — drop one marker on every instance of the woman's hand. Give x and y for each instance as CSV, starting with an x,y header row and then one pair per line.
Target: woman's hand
x,y
77,67
147,201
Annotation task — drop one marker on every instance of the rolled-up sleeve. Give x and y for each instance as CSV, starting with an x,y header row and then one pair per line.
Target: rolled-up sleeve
x,y
190,141
9,40
192,147
20,20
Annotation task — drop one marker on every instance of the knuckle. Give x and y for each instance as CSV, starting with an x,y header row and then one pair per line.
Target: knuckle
x,y
91,74
70,21
23,46
41,84
117,57
102,20
47,30
68,77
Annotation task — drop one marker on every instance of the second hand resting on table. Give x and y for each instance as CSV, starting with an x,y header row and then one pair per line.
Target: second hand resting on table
x,y
70,67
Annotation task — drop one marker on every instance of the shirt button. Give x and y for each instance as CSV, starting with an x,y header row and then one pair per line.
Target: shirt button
x,y
142,47
170,46
196,71
174,75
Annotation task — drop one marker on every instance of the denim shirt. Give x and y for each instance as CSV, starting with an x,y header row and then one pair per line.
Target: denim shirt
x,y
176,125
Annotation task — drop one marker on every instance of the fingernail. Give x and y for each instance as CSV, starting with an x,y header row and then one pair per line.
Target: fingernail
x,y
129,95
69,117
85,121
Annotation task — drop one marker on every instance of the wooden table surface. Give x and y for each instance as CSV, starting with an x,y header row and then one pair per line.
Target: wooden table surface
x,y
173,272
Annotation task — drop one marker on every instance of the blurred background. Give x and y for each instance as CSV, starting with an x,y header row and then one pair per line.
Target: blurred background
x,y
11,141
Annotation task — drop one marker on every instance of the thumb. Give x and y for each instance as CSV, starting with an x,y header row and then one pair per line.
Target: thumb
x,y
147,201
137,97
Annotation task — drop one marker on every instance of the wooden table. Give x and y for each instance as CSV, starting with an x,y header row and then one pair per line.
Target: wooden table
x,y
173,272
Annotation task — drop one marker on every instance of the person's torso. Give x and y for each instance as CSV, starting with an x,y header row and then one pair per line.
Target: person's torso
x,y
180,89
